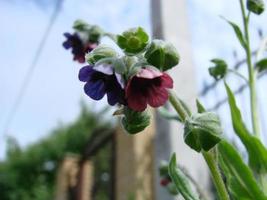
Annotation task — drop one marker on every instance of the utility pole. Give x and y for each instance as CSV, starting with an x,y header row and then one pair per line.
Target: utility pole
x,y
170,22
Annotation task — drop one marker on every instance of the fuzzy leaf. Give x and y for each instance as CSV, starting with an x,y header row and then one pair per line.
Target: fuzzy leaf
x,y
240,180
256,150
180,180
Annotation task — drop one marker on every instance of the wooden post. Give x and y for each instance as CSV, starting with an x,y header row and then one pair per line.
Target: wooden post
x,y
134,165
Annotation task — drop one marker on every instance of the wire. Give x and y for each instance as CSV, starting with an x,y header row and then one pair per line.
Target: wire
x,y
32,67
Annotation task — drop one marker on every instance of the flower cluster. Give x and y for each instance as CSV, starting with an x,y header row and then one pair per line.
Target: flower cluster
x,y
79,47
134,80
83,40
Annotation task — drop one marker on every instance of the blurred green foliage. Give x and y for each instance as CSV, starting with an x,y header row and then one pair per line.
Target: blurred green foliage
x,y
30,173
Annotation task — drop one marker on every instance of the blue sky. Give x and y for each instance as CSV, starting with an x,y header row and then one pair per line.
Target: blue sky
x,y
54,93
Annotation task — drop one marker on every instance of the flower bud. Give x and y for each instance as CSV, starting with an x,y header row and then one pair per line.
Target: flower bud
x,y
95,33
255,6
134,122
100,52
80,25
92,33
202,131
219,70
133,40
162,55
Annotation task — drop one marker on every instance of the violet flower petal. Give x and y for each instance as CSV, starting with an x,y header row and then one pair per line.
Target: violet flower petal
x,y
95,90
85,73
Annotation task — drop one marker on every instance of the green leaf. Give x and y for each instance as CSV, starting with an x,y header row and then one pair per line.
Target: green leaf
x,y
202,131
240,180
200,107
238,33
256,150
219,70
261,65
180,180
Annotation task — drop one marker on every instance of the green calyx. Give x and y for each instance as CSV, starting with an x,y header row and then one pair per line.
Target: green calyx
x,y
100,52
162,55
133,41
93,33
256,6
135,122
202,131
219,70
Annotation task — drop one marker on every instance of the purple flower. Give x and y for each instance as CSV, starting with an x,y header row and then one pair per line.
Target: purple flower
x,y
100,80
79,47
148,86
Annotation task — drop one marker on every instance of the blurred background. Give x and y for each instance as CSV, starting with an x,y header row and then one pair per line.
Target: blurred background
x,y
49,128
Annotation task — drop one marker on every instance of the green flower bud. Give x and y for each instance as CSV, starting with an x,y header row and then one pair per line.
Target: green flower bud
x,y
133,40
92,33
80,25
135,122
219,70
255,6
100,52
202,131
162,55
95,33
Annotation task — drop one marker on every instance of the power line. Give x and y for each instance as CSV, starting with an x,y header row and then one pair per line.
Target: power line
x,y
32,67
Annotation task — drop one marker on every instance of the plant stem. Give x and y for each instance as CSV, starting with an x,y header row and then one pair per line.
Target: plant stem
x,y
209,158
252,75
216,175
177,105
238,74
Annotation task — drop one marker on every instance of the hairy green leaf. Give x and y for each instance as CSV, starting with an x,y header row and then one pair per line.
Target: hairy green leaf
x,y
256,150
180,180
240,180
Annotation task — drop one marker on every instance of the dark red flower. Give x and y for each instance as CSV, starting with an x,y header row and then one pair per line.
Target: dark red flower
x,y
165,181
79,47
148,86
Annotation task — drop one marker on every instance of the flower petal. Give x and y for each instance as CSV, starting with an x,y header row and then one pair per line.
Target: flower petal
x,y
157,96
148,73
137,103
95,90
104,68
112,98
85,73
120,80
166,81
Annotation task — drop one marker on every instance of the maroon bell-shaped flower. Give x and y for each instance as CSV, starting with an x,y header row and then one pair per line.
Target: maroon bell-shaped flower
x,y
78,46
148,86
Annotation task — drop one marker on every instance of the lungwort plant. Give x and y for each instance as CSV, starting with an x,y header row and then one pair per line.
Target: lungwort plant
x,y
136,78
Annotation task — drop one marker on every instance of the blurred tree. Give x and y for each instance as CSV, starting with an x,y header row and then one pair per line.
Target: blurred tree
x,y
31,173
